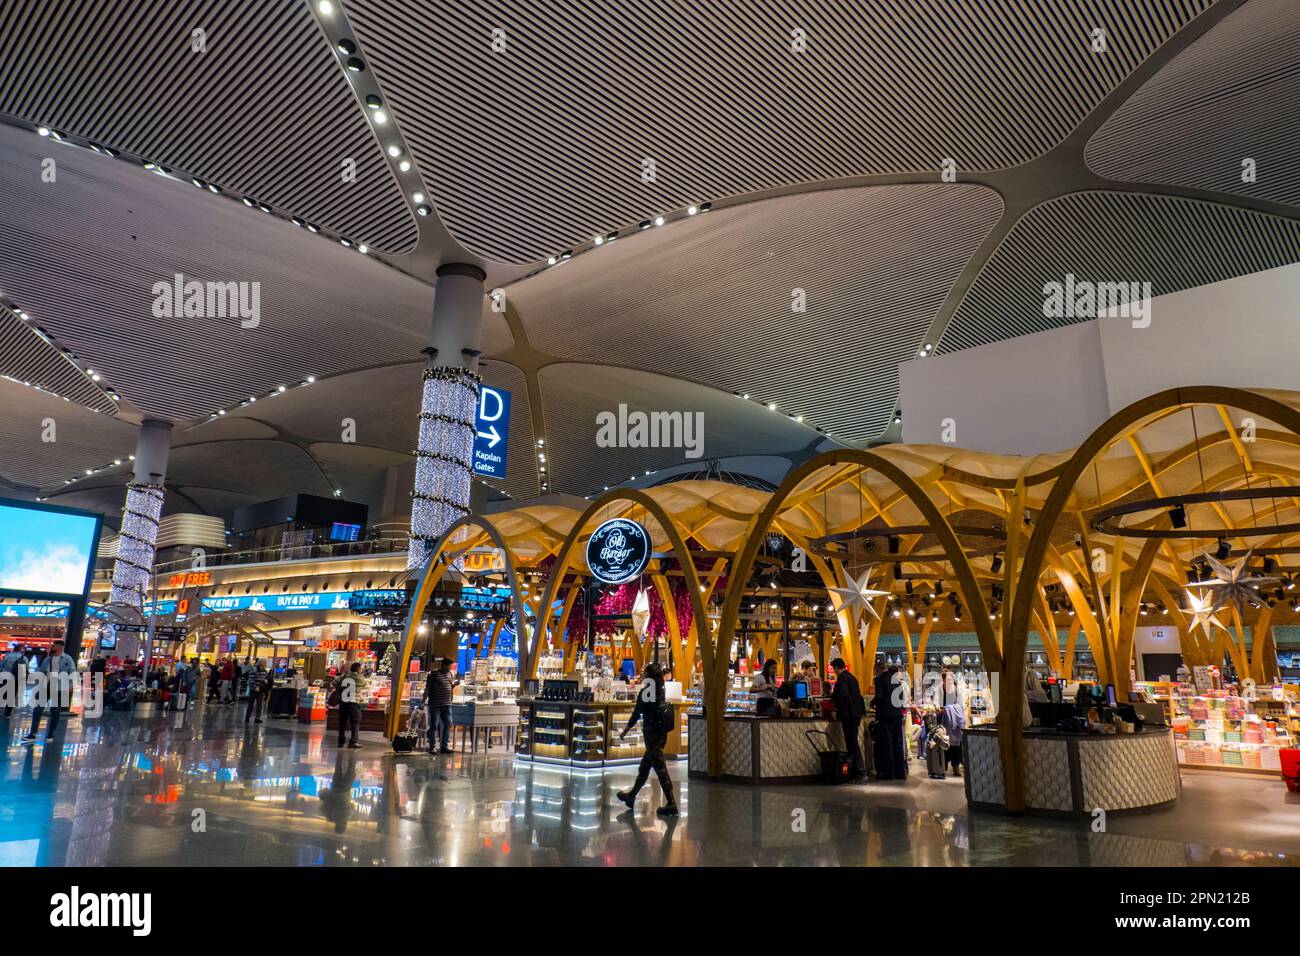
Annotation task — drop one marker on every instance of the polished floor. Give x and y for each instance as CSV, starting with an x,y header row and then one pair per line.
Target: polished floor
x,y
204,789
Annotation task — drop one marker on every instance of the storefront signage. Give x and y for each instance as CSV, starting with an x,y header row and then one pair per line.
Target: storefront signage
x,y
484,599
491,428
193,579
618,551
333,645
375,599
33,610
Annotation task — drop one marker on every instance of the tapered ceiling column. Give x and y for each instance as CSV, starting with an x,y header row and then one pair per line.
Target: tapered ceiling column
x,y
444,455
144,501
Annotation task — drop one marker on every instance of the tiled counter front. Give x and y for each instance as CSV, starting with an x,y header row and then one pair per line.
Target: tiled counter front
x,y
768,749
1074,774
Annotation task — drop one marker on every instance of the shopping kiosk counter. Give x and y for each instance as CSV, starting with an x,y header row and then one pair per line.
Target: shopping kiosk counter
x,y
1072,775
766,750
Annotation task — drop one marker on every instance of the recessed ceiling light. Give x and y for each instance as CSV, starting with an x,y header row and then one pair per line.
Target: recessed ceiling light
x,y
264,207
404,166
611,236
692,210
249,203
355,64
213,188
298,222
380,117
394,151
659,220
551,261
373,102
566,254
221,411
599,240
280,388
347,47
705,207
148,165
771,406
311,228
345,242
198,182
423,210
417,197
644,224
311,379
363,249
43,130
326,8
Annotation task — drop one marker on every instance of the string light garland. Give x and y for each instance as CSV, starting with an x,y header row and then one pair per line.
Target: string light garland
x,y
444,457
136,544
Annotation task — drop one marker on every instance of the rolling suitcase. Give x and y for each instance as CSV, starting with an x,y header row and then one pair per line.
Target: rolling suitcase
x,y
837,766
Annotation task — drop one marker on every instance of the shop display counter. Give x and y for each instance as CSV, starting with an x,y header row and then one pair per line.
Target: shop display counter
x,y
766,750
586,734
1072,775
474,719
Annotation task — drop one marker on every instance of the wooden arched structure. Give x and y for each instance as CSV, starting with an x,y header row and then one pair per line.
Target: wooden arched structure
x,y
434,570
1117,428
715,663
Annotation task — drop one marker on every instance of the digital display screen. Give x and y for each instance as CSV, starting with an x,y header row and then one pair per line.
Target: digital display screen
x,y
800,690
45,550
344,532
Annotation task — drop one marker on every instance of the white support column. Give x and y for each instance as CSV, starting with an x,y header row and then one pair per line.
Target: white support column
x,y
448,409
136,544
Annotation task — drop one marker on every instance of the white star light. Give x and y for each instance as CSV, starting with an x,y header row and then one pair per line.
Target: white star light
x,y
859,594
1203,614
1233,582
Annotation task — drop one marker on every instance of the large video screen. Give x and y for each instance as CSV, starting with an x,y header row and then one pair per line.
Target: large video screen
x,y
46,550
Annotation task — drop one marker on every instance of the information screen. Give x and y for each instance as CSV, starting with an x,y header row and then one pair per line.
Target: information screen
x,y
46,550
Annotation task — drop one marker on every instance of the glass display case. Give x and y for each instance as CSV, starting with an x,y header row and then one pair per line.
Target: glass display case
x,y
550,730
589,734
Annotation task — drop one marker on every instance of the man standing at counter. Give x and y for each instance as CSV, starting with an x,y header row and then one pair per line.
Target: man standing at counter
x,y
891,759
849,708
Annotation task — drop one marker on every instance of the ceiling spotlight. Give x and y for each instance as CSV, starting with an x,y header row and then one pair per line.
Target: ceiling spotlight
x,y
43,130
551,260
264,207
345,242
198,182
797,418
148,165
705,207
404,166
326,8
214,188
659,220
363,249
311,379
598,240
423,210
355,64
644,224
249,203
996,566
1221,552
394,151
380,117
311,228
279,388
338,492
771,406
298,222
221,411
1178,517
417,197
745,396
347,47
611,236
692,210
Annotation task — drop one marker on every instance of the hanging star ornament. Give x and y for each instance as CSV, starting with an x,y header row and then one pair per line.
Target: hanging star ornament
x,y
1234,583
860,594
1203,614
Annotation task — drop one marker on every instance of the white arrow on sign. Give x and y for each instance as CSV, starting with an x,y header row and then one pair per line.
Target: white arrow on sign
x,y
492,434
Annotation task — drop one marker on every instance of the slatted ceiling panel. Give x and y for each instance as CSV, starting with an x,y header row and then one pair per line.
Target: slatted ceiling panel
x,y
1231,95
81,256
573,395
539,148
28,357
82,438
265,111
1172,243
709,299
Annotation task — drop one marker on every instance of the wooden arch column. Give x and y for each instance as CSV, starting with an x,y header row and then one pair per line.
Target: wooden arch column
x,y
676,542
715,703
430,575
1116,428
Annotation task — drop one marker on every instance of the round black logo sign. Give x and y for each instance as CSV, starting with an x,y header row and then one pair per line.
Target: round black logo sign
x,y
618,551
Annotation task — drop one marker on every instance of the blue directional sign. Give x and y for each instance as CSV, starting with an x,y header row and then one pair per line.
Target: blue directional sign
x,y
491,428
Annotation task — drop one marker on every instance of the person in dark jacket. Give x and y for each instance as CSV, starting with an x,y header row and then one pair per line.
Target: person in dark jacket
x,y
849,710
437,694
656,719
350,705
888,704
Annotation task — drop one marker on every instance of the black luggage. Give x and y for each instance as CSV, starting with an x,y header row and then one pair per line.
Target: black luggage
x,y
837,765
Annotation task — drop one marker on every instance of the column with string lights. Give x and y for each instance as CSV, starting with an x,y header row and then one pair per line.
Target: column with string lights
x,y
137,540
448,409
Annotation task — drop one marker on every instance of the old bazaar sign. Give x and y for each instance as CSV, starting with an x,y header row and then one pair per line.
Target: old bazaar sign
x,y
618,551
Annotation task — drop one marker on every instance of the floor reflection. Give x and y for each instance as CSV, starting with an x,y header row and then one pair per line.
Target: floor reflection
x,y
205,789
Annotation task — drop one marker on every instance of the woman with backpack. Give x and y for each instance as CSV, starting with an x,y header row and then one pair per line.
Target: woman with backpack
x,y
656,716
